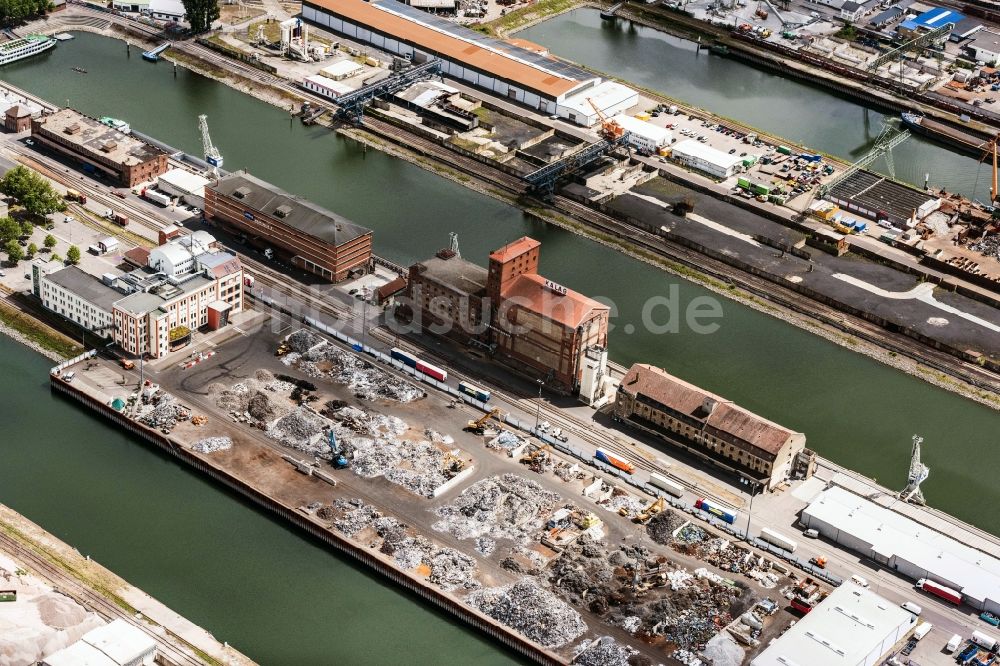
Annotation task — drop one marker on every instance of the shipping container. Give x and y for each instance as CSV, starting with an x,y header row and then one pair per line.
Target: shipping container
x,y
725,515
156,197
120,220
74,195
939,590
984,641
801,606
614,461
474,391
784,150
665,484
432,370
403,357
743,182
778,540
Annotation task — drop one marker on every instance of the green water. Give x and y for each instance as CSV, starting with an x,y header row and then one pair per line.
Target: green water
x,y
281,598
802,113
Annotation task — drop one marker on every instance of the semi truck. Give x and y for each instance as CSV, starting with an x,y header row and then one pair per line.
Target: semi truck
x,y
666,485
778,540
939,590
614,461
156,197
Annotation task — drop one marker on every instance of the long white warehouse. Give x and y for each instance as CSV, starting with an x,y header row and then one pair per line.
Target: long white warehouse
x,y
704,158
851,627
912,549
643,135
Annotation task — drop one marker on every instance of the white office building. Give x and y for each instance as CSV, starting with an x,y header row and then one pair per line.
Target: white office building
x,y
851,627
643,135
76,295
702,157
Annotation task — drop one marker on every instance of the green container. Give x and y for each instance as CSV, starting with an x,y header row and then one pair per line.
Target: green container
x,y
8,595
760,188
749,161
744,183
784,150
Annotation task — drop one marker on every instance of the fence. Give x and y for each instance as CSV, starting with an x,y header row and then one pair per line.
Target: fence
x,y
73,361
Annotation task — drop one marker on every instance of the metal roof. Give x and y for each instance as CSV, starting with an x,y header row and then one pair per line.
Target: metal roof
x,y
300,214
845,629
186,181
85,286
973,572
121,641
694,148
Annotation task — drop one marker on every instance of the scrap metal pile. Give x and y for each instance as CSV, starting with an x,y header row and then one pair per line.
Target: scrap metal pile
x,y
159,409
531,610
447,568
318,358
503,507
605,651
988,246
212,444
301,429
645,593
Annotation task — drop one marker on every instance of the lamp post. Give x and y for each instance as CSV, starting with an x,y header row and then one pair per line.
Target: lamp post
x,y
538,405
754,485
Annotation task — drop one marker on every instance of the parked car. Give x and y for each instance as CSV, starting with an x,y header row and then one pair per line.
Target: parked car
x,y
811,533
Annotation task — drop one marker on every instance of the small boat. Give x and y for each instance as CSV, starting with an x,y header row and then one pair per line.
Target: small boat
x,y
79,70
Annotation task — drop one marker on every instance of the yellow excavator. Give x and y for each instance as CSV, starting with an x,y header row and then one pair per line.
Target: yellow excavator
x,y
654,508
537,453
478,426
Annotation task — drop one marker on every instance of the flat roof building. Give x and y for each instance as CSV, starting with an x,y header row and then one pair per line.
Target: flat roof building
x,y
306,235
644,135
901,543
117,643
707,425
99,148
187,186
851,627
503,68
704,158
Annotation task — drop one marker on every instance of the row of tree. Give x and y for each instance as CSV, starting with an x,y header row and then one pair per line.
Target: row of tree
x,y
38,198
13,12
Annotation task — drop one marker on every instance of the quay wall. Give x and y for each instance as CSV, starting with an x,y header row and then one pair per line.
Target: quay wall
x,y
465,613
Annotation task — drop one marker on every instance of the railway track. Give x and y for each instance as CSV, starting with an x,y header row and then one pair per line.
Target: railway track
x,y
90,599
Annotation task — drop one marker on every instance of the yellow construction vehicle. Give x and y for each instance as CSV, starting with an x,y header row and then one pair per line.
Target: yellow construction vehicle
x,y
654,508
537,453
478,426
282,349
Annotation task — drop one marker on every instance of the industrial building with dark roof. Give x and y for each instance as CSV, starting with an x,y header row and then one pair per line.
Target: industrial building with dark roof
x,y
707,425
100,148
306,235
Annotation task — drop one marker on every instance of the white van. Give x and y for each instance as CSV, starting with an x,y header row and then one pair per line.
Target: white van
x,y
858,580
922,630
953,644
812,533
912,607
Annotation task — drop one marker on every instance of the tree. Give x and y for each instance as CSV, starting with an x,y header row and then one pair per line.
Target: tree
x,y
27,227
201,13
73,254
9,229
50,241
31,252
34,192
13,12
56,257
14,252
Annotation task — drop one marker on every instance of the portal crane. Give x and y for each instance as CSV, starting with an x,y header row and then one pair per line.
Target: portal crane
x,y
918,474
610,130
212,154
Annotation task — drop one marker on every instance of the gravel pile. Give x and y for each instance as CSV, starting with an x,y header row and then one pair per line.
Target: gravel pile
x,y
504,507
212,444
531,610
605,651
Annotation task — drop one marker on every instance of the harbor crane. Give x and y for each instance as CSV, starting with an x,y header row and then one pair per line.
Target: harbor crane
x,y
917,475
610,130
212,154
925,39
453,243
890,137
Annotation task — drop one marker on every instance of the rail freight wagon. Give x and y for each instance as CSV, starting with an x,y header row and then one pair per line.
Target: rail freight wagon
x,y
666,485
725,515
432,370
403,357
614,461
937,590
778,540
474,392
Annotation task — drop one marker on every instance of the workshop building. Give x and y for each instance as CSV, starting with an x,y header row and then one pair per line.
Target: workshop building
x,y
502,68
985,47
117,643
18,118
303,234
702,157
708,426
528,322
99,148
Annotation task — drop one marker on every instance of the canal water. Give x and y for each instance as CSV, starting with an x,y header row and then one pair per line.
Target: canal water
x,y
788,108
279,597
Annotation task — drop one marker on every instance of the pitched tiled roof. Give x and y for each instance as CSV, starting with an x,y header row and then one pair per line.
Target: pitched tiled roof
x,y
569,309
